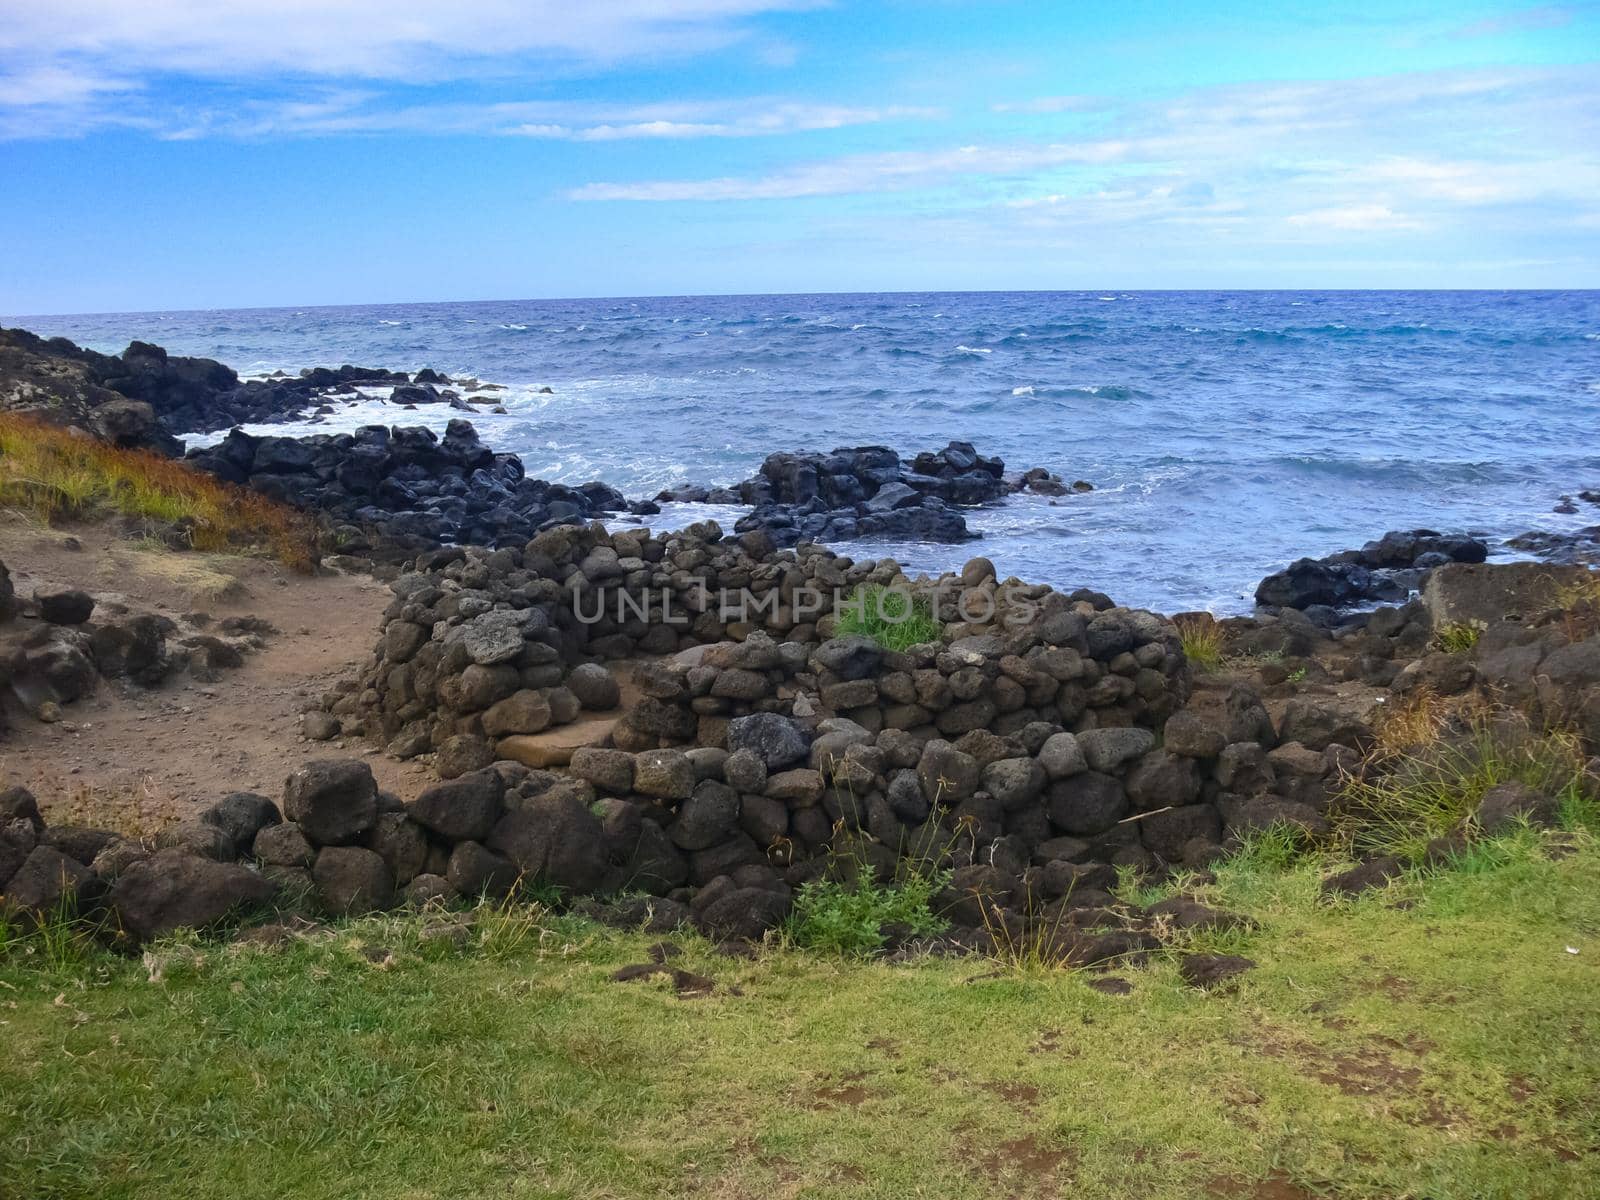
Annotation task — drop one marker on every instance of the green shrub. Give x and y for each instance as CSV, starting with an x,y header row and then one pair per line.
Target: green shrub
x,y
848,918
889,616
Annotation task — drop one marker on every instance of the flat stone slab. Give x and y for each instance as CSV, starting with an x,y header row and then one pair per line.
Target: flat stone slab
x,y
555,747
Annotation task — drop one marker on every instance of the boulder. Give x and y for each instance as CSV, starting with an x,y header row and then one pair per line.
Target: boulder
x,y
475,870
744,913
333,800
1483,593
1507,803
176,890
461,809
353,879
707,817
610,771
283,845
554,839
775,739
1107,750
64,608
664,774
47,881
594,686
242,815
1061,756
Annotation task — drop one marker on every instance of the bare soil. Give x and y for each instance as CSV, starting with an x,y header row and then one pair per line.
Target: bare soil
x,y
132,757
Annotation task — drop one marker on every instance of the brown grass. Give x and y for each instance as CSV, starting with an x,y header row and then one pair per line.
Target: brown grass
x,y
55,473
1415,720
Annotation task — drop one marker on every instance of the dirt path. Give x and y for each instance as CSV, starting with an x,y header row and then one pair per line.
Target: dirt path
x,y
134,757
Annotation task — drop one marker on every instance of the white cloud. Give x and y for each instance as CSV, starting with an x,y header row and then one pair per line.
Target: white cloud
x,y
1545,16
1353,217
371,38
865,173
62,61
44,86
1050,104
1389,153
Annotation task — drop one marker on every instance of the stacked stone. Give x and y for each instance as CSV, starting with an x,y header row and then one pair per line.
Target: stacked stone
x,y
480,645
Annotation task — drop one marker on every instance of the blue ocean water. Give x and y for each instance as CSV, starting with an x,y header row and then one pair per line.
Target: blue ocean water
x,y
1225,432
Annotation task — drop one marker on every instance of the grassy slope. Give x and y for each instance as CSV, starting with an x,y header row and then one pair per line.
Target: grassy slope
x,y
1442,1047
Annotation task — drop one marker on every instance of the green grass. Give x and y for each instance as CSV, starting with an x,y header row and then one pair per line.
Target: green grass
x,y
1202,642
1457,636
1435,1038
889,616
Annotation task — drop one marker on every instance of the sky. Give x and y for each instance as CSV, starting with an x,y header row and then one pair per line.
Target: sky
x,y
179,154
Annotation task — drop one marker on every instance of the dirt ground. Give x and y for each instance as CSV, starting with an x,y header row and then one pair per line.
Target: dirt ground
x,y
136,757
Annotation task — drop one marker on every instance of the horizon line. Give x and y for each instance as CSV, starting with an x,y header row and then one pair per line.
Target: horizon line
x,y
4,317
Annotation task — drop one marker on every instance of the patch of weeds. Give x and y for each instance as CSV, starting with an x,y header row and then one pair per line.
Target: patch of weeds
x,y
892,617
1405,799
57,940
1456,637
509,928
1136,888
848,918
1295,676
1416,720
1578,602
1202,642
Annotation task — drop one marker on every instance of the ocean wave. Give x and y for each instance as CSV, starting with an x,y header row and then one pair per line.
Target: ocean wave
x,y
974,350
1022,391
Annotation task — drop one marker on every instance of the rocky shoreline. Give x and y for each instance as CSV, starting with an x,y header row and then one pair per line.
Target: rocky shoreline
x,y
387,493
678,728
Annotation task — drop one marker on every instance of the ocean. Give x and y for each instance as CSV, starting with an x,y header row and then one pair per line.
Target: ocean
x,y
1225,433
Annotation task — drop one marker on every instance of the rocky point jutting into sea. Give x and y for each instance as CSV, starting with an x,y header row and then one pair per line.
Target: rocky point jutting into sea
x,y
684,727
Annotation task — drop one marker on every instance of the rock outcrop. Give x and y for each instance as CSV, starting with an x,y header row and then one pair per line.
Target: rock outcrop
x,y
870,492
1383,571
395,492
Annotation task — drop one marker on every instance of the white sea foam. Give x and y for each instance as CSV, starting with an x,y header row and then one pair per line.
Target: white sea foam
x,y
1025,390
973,350
513,326
383,322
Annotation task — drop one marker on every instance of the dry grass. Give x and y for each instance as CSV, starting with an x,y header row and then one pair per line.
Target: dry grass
x,y
1579,605
1203,643
1411,793
1414,720
53,473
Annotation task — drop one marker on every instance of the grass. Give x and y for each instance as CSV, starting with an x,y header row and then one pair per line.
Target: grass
x,y
1455,637
848,918
1202,642
1447,1046
889,616
52,473
1413,793
1578,602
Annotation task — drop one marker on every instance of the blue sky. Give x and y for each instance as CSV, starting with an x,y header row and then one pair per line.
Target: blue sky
x,y
179,154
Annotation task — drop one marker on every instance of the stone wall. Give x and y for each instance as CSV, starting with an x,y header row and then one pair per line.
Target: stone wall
x,y
479,646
